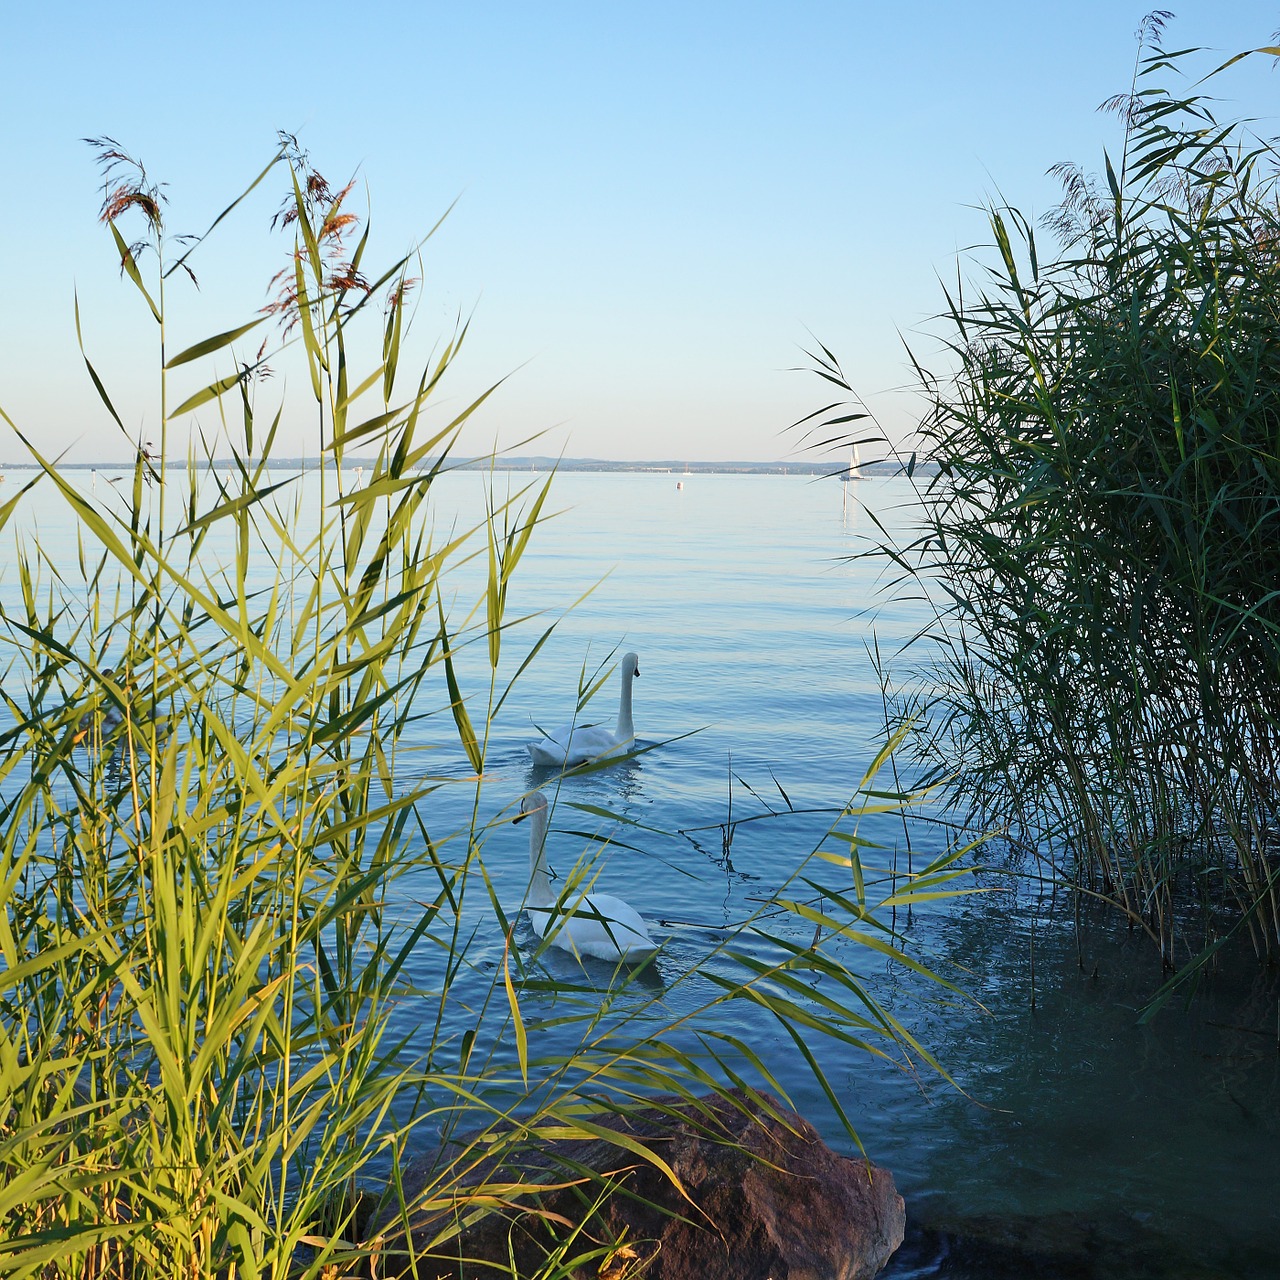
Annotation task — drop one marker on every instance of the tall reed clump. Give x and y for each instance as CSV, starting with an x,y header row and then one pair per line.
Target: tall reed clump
x,y
209,810
1102,532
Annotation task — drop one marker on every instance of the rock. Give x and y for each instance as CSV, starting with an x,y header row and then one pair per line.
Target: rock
x,y
770,1201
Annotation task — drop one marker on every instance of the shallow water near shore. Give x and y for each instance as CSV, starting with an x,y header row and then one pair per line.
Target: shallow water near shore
x,y
1082,1144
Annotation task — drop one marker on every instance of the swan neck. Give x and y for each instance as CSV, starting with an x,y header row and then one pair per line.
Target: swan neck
x,y
626,729
540,894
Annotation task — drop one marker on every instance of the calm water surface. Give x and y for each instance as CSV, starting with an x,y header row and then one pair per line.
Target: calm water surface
x,y
1082,1144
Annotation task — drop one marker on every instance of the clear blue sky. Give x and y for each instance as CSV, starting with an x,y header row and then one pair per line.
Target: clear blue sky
x,y
656,203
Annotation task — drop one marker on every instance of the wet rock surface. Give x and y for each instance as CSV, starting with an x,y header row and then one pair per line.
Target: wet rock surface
x,y
767,1200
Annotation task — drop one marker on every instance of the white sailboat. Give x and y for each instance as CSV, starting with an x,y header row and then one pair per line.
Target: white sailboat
x,y
855,464
852,472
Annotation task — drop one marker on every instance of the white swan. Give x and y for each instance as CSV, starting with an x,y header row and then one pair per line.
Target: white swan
x,y
593,924
576,744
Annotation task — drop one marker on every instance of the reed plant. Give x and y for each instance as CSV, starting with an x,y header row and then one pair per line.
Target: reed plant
x,y
1100,537
220,854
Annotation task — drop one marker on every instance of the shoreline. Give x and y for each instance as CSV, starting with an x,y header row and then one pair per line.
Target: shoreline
x,y
604,466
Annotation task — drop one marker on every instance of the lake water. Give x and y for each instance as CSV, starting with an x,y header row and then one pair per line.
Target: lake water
x,y
1087,1145
1083,1144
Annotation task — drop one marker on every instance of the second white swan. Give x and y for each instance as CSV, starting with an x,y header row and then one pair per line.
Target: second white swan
x,y
592,924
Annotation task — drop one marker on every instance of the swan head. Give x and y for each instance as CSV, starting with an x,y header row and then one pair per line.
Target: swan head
x,y
631,665
534,802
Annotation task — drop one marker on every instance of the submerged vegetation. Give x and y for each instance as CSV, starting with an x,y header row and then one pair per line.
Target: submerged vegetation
x,y
218,860
1101,536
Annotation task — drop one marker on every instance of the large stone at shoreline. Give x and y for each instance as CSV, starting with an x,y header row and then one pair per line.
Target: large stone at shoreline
x,y
770,1201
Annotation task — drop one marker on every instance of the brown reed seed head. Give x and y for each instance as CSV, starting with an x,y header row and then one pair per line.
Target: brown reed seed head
x,y
126,184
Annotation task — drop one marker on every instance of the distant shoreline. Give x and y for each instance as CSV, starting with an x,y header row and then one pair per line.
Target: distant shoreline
x,y
889,467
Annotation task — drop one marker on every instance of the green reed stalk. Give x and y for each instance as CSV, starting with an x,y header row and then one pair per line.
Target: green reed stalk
x,y
1103,525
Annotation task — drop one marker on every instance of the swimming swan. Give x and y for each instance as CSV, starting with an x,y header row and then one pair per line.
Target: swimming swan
x,y
578,744
597,924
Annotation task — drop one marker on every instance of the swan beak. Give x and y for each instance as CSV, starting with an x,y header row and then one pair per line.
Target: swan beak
x,y
637,670
520,817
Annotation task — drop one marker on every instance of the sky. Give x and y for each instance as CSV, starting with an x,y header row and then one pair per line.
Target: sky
x,y
655,208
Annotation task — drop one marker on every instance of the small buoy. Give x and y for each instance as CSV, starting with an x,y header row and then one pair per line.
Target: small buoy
x,y
679,484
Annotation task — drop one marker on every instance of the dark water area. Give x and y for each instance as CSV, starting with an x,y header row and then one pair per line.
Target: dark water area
x,y
1075,1141
1091,1145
